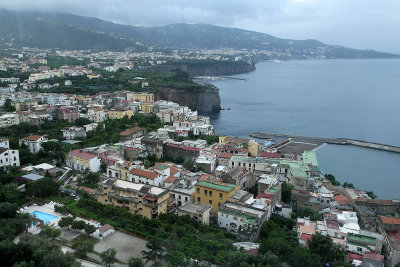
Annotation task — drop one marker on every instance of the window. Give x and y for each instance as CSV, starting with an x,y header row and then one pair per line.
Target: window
x,y
220,195
198,190
205,192
198,199
210,201
210,193
359,249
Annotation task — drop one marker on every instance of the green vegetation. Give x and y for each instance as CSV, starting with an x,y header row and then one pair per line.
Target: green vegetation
x,y
348,185
308,212
108,256
371,194
211,139
89,179
38,250
42,188
277,237
332,179
7,106
83,245
287,192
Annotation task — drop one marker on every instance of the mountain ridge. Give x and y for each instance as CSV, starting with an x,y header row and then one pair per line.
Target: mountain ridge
x,y
68,31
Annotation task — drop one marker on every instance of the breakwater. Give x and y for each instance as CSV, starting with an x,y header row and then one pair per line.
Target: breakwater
x,y
322,140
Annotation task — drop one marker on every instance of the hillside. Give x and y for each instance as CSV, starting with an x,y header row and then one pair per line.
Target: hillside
x,y
66,31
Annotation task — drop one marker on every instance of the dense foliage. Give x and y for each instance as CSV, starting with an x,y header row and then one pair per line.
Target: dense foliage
x,y
38,250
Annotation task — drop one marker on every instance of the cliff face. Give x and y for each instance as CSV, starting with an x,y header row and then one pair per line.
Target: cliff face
x,y
208,68
204,101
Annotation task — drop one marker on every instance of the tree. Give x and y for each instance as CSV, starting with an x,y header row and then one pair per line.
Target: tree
x,y
371,194
43,188
135,262
332,179
308,212
287,192
108,256
65,221
348,185
103,167
90,229
8,107
78,225
176,258
50,232
155,250
83,247
323,246
82,121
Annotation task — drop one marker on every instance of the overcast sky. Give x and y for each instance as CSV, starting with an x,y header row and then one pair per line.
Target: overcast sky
x,y
364,24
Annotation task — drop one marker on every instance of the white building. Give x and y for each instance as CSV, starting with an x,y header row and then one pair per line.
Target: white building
x,y
9,119
73,132
8,157
34,142
81,160
140,176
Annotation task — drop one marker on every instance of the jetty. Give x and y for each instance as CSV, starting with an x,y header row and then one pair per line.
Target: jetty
x,y
233,78
321,140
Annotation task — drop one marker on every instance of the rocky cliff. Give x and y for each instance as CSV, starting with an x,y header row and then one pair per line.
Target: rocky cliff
x,y
215,68
207,100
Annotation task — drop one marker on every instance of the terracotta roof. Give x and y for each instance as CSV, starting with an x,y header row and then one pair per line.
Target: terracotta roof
x,y
307,229
150,198
144,173
33,137
171,179
82,154
204,177
270,155
3,149
341,199
105,228
351,256
225,155
389,220
131,131
373,256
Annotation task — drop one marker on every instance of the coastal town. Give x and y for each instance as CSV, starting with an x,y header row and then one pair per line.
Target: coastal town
x,y
124,167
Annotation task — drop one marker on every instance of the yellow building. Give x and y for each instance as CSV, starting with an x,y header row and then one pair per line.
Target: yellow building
x,y
145,200
118,113
147,97
146,107
253,148
81,160
214,194
25,104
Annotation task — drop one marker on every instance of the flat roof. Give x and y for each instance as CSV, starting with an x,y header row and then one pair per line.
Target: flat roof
x,y
217,186
137,187
310,157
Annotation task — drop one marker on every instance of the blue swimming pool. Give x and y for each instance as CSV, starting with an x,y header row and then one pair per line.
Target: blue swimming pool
x,y
46,218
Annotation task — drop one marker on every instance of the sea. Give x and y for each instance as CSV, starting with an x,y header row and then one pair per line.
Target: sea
x,y
349,98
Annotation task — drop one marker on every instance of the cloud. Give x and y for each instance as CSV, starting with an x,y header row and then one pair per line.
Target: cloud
x,y
358,23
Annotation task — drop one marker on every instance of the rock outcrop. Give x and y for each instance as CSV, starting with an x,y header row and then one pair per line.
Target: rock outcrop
x,y
207,100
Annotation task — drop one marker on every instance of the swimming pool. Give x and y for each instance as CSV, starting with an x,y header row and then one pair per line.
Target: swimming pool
x,y
46,218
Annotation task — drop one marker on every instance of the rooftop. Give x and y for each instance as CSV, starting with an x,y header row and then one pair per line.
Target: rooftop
x,y
193,207
82,154
144,173
361,239
217,186
310,157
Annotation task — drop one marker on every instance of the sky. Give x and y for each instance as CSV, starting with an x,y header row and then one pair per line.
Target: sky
x,y
362,24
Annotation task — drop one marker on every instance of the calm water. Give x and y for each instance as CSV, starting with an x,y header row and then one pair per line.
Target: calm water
x,y
329,98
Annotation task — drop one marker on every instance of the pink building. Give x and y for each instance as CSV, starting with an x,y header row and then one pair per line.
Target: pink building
x,y
68,114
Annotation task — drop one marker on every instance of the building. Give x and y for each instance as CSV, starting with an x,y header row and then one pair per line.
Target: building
x,y
213,194
24,104
81,160
145,200
143,97
241,219
390,229
251,144
119,113
199,212
146,107
9,157
132,133
33,142
360,244
96,114
73,132
68,114
9,119
237,176
146,177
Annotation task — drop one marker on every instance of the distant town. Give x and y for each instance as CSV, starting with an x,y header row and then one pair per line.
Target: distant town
x,y
101,160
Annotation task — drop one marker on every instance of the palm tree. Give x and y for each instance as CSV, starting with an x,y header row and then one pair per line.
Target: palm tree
x,y
155,250
108,256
